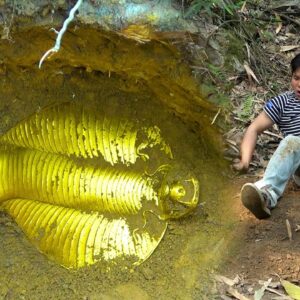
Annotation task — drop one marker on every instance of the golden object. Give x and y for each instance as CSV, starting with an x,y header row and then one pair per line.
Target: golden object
x,y
76,239
60,180
178,198
77,210
66,129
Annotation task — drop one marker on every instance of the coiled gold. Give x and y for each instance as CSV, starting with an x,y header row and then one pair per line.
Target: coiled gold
x,y
68,130
77,210
76,239
59,180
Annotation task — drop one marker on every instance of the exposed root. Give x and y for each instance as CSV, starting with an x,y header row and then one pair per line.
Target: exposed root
x,y
61,33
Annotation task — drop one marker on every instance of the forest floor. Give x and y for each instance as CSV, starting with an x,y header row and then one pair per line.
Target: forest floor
x,y
267,252
264,249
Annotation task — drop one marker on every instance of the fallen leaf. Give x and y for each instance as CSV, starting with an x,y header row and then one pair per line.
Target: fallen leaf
x,y
278,28
288,48
236,294
292,289
250,73
289,229
227,281
243,8
284,3
258,294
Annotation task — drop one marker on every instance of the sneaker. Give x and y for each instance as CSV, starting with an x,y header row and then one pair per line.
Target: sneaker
x,y
256,200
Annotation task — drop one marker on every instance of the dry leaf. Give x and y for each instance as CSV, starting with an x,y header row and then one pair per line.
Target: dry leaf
x,y
289,229
260,293
250,73
278,28
288,48
236,294
227,281
243,8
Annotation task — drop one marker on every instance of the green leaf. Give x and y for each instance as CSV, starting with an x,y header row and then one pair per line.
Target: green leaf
x,y
292,289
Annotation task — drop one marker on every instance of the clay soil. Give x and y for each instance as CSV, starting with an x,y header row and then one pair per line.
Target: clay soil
x,y
183,264
263,248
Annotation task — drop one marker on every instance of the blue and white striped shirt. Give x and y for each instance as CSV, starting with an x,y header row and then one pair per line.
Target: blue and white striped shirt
x,y
284,110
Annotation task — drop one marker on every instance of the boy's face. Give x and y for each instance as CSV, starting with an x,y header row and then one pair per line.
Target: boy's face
x,y
295,83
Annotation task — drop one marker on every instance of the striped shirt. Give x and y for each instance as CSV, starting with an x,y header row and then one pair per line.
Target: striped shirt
x,y
284,110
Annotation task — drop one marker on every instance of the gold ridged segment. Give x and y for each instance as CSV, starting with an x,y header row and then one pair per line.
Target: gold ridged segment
x,y
35,233
80,140
35,125
68,240
86,134
131,146
20,173
113,238
10,175
33,209
4,183
99,134
53,240
112,133
62,133
50,227
66,222
106,141
73,252
118,140
76,239
24,212
91,125
98,238
16,207
65,129
90,242
20,134
70,216
43,124
49,178
83,239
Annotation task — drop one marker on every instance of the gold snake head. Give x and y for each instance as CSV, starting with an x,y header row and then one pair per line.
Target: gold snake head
x,y
177,191
179,197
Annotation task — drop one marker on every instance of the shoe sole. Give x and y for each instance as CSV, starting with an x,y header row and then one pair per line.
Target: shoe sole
x,y
253,200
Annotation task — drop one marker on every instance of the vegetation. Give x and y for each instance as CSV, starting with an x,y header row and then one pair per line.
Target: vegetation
x,y
214,7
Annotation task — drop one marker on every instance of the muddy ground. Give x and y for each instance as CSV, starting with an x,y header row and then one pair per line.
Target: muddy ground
x,y
220,237
262,248
184,262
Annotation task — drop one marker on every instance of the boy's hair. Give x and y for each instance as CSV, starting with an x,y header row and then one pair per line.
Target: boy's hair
x,y
295,63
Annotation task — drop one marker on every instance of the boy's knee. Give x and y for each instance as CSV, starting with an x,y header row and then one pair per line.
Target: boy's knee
x,y
290,143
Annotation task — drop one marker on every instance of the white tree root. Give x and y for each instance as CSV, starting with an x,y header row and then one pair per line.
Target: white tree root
x,y
61,33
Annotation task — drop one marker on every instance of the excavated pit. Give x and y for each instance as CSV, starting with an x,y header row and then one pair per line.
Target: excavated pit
x,y
149,82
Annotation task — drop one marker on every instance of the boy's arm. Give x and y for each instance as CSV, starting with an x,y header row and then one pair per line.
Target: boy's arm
x,y
260,123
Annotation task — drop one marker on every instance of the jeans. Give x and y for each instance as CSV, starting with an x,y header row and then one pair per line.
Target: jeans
x,y
283,164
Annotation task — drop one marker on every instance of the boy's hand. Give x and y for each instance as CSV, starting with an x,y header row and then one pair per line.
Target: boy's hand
x,y
240,166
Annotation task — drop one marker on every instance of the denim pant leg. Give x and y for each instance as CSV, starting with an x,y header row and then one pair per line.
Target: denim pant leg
x,y
282,165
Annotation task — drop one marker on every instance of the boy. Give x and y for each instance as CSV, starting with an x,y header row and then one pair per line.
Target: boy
x,y
284,110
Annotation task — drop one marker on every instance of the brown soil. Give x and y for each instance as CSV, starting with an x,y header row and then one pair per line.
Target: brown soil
x,y
181,266
262,248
